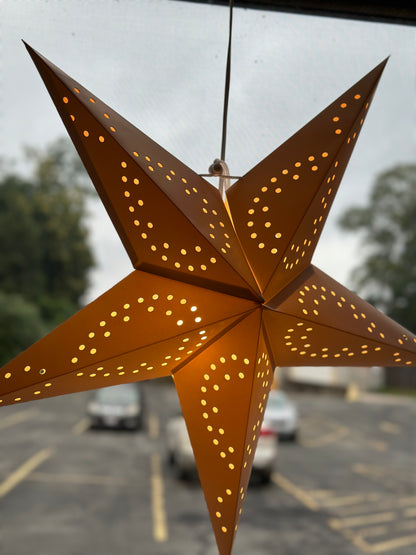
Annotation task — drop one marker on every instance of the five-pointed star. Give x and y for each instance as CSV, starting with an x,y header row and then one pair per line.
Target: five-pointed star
x,y
220,294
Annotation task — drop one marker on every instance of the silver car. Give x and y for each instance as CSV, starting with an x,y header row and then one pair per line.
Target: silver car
x,y
118,406
281,415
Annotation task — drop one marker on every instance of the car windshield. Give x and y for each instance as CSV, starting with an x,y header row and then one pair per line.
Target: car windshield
x,y
122,394
277,400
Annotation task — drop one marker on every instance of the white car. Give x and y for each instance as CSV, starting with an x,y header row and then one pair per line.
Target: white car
x,y
181,456
281,415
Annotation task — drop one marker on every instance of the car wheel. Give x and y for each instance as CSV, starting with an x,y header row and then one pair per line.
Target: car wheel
x,y
183,474
265,477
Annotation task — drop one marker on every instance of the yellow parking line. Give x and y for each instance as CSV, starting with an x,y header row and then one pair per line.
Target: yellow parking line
x,y
361,520
17,418
153,423
410,512
357,540
365,469
76,479
370,503
297,492
81,426
370,470
160,529
374,531
374,501
343,501
376,445
389,545
321,493
407,501
331,437
390,428
380,547
346,526
24,470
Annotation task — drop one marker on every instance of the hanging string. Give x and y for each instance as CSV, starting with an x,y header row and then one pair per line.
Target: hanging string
x,y
227,84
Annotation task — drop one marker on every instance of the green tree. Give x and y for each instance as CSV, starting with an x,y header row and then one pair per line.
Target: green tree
x,y
387,275
21,324
45,256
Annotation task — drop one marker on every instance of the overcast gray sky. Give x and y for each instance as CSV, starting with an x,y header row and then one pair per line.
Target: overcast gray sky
x,y
161,64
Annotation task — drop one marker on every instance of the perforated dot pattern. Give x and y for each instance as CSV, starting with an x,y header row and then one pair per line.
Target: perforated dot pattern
x,y
279,208
246,374
299,252
141,184
102,341
336,327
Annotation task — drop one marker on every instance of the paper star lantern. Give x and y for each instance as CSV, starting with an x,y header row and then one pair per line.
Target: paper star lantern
x,y
221,292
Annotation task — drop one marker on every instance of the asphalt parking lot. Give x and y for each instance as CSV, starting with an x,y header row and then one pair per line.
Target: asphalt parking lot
x,y
347,487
